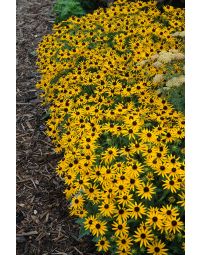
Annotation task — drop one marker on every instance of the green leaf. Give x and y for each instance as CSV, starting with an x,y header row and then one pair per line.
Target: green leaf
x,y
165,193
45,116
83,232
80,221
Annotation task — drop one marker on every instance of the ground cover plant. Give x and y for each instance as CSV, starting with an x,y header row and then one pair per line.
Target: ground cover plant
x,y
105,77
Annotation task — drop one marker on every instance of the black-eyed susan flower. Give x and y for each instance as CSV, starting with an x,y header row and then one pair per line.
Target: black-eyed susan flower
x,y
154,218
143,235
109,155
174,225
120,228
157,248
147,135
121,214
124,242
169,211
171,184
107,209
136,210
103,244
99,228
77,202
161,170
125,198
146,190
89,222
181,202
92,191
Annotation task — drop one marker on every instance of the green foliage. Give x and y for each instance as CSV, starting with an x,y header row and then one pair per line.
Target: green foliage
x,y
90,6
66,8
176,96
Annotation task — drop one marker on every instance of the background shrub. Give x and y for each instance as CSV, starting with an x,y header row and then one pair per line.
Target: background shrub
x,y
66,8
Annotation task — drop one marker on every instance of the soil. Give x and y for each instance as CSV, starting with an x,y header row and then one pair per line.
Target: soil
x,y
43,224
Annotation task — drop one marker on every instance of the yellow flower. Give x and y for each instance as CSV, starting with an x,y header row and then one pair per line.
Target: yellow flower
x,y
136,210
143,235
174,225
182,201
121,214
107,209
92,192
110,154
77,202
148,136
125,198
171,184
146,190
121,229
169,212
89,222
157,248
99,228
154,219
124,242
103,244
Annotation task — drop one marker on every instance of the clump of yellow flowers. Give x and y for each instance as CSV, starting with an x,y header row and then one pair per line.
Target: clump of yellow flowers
x,y
123,142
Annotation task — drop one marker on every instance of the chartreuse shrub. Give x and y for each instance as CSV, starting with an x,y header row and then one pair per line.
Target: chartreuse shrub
x,y
123,142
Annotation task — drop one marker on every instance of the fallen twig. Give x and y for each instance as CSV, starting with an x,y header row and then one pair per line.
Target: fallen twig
x,y
78,250
28,233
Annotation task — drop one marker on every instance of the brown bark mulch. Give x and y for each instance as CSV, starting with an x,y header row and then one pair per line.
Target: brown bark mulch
x,y
43,224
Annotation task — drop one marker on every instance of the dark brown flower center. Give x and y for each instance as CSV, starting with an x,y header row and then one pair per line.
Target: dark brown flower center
x,y
123,241
173,169
120,227
169,212
155,219
134,167
174,223
146,189
137,209
121,211
98,226
156,249
121,187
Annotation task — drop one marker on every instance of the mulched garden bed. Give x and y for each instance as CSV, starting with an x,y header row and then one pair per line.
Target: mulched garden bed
x,y
43,223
